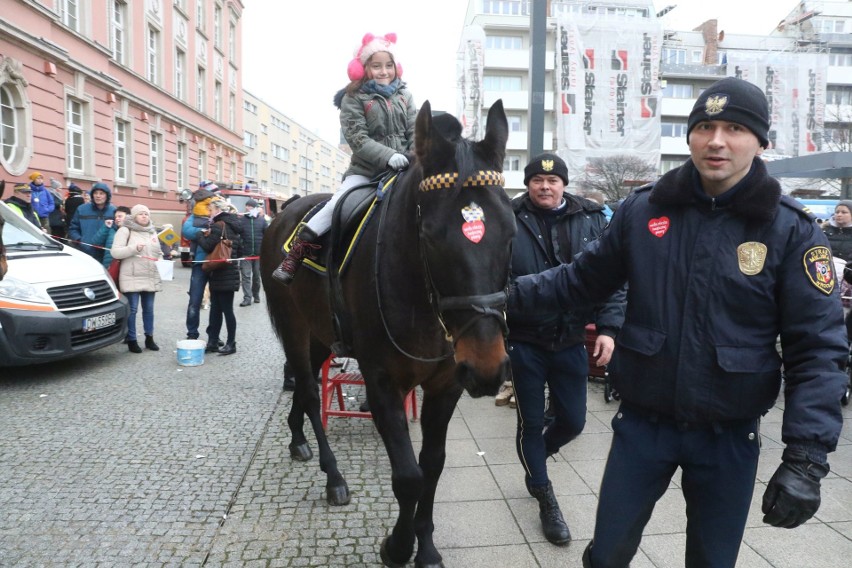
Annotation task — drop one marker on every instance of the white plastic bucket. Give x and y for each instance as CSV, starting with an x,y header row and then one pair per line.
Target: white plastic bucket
x,y
190,352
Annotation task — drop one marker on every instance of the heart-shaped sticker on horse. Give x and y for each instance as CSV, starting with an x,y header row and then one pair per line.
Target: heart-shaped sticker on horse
x,y
659,226
474,226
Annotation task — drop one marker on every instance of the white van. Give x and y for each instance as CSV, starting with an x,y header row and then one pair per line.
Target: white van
x,y
55,301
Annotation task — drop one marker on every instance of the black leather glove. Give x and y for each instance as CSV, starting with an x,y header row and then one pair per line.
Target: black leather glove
x,y
792,495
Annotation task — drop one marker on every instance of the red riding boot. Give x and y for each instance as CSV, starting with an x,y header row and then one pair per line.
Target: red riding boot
x,y
303,246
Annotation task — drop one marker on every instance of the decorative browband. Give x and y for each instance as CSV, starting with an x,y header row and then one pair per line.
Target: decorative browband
x,y
482,178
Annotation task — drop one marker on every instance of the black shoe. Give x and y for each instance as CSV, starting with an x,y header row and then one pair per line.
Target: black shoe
x,y
134,346
289,384
552,523
192,336
257,300
228,349
212,348
245,303
149,343
365,406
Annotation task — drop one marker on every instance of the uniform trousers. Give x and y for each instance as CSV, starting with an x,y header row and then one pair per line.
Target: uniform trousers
x,y
719,465
565,372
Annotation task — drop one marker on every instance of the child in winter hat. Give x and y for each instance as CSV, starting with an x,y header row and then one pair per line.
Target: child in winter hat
x,y
375,105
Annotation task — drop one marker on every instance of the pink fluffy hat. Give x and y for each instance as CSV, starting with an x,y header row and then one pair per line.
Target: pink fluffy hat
x,y
371,44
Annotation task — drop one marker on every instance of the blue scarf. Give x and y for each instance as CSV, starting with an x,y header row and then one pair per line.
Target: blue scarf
x,y
387,91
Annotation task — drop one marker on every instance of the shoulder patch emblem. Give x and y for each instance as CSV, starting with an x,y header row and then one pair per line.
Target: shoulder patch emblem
x,y
819,268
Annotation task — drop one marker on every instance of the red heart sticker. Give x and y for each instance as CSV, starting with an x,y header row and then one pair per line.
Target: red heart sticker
x,y
474,230
658,227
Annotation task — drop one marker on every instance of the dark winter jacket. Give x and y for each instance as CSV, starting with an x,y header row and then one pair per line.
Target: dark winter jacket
x,y
104,238
88,220
71,205
840,239
23,209
711,287
253,229
226,278
573,226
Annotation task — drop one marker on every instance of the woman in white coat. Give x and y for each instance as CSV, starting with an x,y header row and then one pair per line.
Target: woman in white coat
x,y
137,247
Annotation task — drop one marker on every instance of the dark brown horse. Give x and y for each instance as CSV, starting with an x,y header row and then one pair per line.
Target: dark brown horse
x,y
425,292
3,265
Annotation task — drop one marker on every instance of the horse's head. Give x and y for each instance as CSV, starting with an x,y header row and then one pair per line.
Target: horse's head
x,y
466,227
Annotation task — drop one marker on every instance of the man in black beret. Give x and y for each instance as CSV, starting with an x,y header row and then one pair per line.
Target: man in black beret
x,y
718,265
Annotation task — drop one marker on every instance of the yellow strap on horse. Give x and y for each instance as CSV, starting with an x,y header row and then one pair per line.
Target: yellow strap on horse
x,y
482,178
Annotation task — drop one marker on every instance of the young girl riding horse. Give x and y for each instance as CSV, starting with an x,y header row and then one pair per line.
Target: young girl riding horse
x,y
377,116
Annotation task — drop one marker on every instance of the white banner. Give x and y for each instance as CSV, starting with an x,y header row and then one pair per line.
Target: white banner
x,y
795,86
609,92
469,67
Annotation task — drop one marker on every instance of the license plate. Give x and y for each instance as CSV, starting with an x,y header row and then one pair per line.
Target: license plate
x,y
99,322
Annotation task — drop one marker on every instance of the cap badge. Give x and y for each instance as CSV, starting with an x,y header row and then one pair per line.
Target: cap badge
x,y
547,165
715,104
751,256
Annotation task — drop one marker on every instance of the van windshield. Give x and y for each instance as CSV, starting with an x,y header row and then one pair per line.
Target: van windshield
x,y
18,233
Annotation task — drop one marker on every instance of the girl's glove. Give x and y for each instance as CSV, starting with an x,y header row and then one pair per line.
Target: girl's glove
x,y
398,161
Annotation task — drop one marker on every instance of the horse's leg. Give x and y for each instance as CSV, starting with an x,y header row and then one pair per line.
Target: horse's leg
x,y
407,479
336,488
435,418
300,365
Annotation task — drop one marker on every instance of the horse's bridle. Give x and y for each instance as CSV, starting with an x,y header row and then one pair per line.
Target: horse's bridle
x,y
485,305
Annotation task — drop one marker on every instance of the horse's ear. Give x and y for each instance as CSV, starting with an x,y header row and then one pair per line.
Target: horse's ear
x,y
422,131
496,132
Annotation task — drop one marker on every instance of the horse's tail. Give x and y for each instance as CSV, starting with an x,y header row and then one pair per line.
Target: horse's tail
x,y
273,289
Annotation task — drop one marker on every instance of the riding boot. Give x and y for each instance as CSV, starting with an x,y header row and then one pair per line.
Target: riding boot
x,y
303,245
554,526
149,343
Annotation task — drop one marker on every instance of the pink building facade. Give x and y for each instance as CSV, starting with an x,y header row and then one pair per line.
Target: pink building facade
x,y
143,95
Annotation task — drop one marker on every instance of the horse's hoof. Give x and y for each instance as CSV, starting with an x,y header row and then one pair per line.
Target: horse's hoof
x,y
337,495
301,452
386,559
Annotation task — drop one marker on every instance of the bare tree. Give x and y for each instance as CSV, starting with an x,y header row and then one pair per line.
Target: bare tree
x,y
616,176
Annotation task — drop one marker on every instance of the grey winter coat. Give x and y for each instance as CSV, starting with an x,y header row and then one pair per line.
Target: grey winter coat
x,y
376,128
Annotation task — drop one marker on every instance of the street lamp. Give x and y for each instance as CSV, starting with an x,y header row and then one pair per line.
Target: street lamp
x,y
307,147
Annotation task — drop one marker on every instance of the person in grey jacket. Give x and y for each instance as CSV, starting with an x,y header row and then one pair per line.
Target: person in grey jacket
x,y
254,225
377,116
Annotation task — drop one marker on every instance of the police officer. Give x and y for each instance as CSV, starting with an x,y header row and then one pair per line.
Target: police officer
x,y
718,264
549,348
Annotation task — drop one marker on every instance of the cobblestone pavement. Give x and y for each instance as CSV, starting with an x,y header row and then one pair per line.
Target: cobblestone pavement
x,y
116,459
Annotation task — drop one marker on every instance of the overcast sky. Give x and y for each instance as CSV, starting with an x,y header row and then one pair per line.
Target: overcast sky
x,y
295,52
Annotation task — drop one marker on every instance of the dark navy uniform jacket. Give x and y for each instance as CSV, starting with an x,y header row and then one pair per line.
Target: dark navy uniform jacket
x,y
711,285
574,227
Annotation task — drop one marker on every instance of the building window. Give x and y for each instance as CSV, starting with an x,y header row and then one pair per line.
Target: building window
x,y
512,163
217,26
840,59
232,40
250,170
75,134
121,148
217,101
673,56
673,129
838,95
153,59
180,165
501,83
156,159
280,152
668,164
514,123
264,157
180,74
677,91
69,11
503,42
202,165
506,7
249,139
232,111
117,36
201,76
13,123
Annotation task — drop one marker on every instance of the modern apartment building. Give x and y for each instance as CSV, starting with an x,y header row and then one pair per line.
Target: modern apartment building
x,y
617,80
285,159
144,95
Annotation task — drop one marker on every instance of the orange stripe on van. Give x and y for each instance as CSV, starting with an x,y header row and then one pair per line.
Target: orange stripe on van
x,y
28,307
